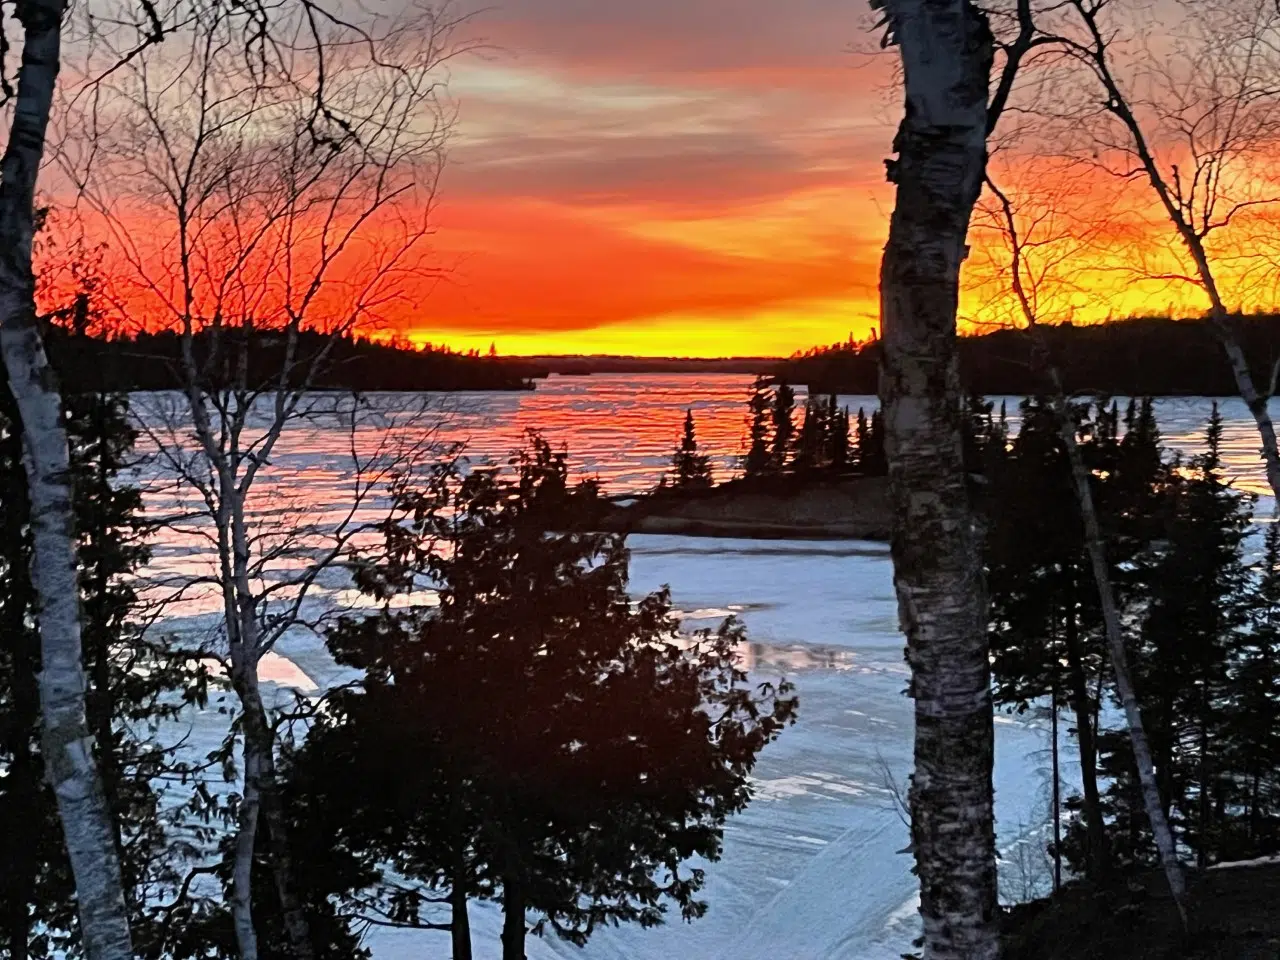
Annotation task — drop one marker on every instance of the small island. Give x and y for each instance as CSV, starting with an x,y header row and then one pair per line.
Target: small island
x,y
822,480
834,508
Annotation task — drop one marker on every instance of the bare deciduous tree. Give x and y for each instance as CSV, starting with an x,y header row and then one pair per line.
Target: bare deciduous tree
x,y
284,208
1195,113
1024,287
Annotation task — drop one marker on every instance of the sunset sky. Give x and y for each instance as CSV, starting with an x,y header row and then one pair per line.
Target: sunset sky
x,y
685,177
681,178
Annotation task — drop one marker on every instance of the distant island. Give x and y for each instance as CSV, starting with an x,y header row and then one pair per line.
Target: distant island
x,y
584,365
1142,356
152,361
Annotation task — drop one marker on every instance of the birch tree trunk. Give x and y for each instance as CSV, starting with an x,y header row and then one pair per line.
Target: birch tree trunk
x,y
67,745
947,54
259,799
1096,550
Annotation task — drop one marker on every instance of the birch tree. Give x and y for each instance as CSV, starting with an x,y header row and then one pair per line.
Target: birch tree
x,y
1024,282
947,52
66,740
285,208
1190,106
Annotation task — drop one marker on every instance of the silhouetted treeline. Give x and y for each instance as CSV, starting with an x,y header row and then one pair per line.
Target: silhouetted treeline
x,y
151,361
826,441
1203,618
1143,356
583,366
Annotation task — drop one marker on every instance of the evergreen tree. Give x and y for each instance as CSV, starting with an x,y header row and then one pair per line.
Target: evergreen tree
x,y
1195,615
692,470
837,438
784,401
536,738
860,440
1252,721
757,459
812,444
1046,629
868,439
134,686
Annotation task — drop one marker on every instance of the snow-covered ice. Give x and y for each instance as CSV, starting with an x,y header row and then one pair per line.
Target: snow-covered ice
x,y
814,869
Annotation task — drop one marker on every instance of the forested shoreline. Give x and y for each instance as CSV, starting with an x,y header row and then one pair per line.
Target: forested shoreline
x,y
152,361
1136,357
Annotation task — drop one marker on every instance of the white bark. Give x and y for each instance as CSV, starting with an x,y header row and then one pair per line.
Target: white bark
x,y
273,216
67,745
947,54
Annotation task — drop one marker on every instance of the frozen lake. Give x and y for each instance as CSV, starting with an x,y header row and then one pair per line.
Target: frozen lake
x,y
812,870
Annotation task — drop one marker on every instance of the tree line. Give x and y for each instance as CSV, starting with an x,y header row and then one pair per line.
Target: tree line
x,y
152,360
1200,606
826,441
1134,357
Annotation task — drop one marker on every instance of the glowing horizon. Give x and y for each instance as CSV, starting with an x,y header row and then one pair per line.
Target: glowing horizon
x,y
612,190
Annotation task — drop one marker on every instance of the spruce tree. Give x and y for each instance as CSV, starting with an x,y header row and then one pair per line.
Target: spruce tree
x,y
812,445
869,444
836,441
861,442
757,459
784,401
1195,616
691,469
1045,623
135,685
537,738
1252,715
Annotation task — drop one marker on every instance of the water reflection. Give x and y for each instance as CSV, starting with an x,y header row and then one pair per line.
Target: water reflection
x,y
620,428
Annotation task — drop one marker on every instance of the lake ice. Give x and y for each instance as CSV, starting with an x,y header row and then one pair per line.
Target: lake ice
x,y
813,870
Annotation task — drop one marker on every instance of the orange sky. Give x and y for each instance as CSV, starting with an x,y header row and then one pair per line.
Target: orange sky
x,y
706,178
686,177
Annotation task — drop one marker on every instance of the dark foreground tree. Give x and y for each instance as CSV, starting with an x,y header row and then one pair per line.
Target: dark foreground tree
x,y
537,737
784,403
757,460
1048,640
133,686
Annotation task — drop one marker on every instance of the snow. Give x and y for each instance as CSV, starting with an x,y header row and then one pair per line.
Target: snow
x,y
1255,862
814,869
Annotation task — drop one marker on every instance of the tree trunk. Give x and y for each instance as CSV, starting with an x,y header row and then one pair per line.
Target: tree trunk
x,y
21,867
67,745
244,678
295,918
1222,327
513,926
460,923
22,780
1057,796
97,646
1205,809
1099,858
1119,655
261,803
947,54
